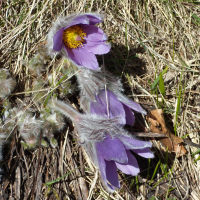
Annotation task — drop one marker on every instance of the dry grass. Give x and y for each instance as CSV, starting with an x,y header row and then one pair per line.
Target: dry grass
x,y
146,36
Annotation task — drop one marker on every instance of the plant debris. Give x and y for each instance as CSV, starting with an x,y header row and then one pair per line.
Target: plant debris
x,y
158,125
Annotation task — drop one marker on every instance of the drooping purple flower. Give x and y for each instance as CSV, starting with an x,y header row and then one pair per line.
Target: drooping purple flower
x,y
91,82
111,102
77,38
107,144
107,103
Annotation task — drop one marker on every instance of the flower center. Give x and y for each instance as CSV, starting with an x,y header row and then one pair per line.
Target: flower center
x,y
73,37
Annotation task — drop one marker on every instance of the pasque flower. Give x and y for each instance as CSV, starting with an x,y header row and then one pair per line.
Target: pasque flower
x,y
108,144
29,129
77,38
107,103
111,102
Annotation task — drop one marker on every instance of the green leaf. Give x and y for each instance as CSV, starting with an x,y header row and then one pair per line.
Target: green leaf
x,y
196,152
158,78
171,190
178,104
197,159
154,173
162,85
183,137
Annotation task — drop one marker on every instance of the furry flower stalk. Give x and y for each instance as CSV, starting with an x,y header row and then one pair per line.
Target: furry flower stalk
x,y
30,129
108,144
111,102
7,83
77,38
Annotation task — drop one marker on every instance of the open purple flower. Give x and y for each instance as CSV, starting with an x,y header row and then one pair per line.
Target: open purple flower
x,y
77,38
107,103
107,144
114,153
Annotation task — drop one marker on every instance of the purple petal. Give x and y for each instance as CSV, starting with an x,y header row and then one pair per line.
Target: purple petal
x,y
135,106
58,40
94,18
98,108
112,149
93,33
131,168
131,143
105,37
114,105
83,58
80,19
130,117
131,104
111,173
146,153
97,47
102,169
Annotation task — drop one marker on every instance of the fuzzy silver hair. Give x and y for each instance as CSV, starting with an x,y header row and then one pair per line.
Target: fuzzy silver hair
x,y
29,128
6,82
91,82
90,127
4,73
93,128
61,22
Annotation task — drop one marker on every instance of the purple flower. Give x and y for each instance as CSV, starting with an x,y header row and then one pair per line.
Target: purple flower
x,y
113,154
107,144
107,103
93,96
77,38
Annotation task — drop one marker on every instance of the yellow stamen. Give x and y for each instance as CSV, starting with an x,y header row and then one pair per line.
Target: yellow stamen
x,y
73,37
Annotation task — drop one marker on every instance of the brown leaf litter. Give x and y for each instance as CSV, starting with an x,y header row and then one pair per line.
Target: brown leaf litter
x,y
157,125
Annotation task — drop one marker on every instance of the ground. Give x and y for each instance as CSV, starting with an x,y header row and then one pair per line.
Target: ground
x,y
155,51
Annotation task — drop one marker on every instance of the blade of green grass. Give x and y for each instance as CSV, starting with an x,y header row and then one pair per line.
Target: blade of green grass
x,y
196,152
185,136
177,110
158,78
170,180
149,164
154,173
197,159
166,161
58,179
132,182
165,176
161,85
152,198
137,183
178,103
